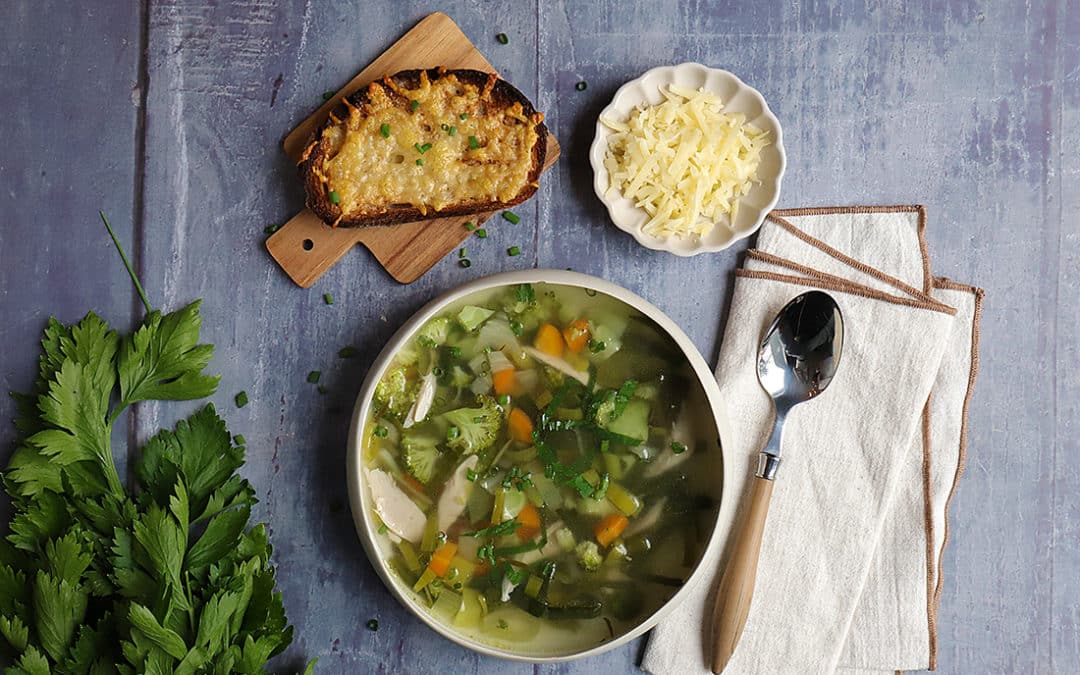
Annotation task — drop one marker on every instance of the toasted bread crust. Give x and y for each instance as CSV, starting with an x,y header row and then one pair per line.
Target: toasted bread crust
x,y
500,93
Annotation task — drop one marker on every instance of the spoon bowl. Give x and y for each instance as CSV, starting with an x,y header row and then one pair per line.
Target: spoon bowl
x,y
797,359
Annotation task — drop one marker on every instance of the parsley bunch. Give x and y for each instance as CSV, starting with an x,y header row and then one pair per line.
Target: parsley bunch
x,y
164,578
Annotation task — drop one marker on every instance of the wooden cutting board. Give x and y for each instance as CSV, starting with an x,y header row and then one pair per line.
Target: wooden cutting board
x,y
305,247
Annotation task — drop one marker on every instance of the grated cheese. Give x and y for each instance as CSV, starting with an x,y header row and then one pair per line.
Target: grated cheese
x,y
684,161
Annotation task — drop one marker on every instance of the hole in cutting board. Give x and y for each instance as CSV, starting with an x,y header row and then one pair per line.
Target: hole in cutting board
x,y
308,244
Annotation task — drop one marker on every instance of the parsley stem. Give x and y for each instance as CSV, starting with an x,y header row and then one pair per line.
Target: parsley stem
x,y
127,263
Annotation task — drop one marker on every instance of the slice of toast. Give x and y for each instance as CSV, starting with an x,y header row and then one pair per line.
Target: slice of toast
x,y
424,144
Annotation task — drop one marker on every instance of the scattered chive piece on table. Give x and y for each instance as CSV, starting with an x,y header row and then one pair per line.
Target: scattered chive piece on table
x,y
482,233
463,116
451,131
373,624
414,105
327,95
313,376
384,130
347,352
334,197
677,447
473,143
241,399
513,251
323,390
502,39
581,86
470,227
512,217
239,439
270,229
462,252
327,298
465,262
419,162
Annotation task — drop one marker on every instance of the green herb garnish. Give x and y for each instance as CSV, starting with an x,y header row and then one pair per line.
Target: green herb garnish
x,y
414,105
334,197
503,528
270,229
451,131
473,143
502,39
347,352
453,433
462,252
241,399
525,293
239,439
384,131
581,86
328,299
322,389
513,251
470,475
482,233
373,624
381,431
465,262
313,376
470,226
327,95
422,148
512,217
517,327
419,162
678,448
504,400
597,346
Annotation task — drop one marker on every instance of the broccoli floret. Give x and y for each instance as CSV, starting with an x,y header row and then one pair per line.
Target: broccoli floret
x,y
564,537
476,427
394,393
470,317
434,332
613,403
460,378
421,455
588,555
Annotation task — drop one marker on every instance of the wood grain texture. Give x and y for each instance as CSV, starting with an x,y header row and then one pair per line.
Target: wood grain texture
x,y
305,247
971,108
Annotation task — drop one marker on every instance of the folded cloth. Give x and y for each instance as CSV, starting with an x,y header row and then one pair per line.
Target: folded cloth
x,y
849,576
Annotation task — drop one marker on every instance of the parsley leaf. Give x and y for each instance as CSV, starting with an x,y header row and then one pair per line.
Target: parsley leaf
x,y
163,360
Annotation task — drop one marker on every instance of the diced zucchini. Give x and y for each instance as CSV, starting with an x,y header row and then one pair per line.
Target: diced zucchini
x,y
430,540
634,422
426,578
471,609
470,317
623,499
447,605
408,554
479,504
533,586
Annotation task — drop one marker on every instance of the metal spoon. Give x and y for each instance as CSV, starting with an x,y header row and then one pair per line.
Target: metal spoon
x,y
797,360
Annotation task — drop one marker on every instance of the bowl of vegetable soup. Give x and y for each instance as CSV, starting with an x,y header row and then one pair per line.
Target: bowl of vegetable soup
x,y
535,465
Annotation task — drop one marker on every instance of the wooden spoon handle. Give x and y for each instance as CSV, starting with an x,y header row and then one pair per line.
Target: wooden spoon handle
x,y
737,585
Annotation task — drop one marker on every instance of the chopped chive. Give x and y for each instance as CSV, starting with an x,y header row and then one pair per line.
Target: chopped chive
x,y
422,148
373,624
581,86
239,439
334,197
419,162
347,352
384,130
473,143
596,346
465,262
470,475
327,95
270,229
328,299
452,433
463,116
482,233
462,252
504,400
444,126
414,105
511,216
513,251
451,131
470,227
502,39
677,447
383,529
381,431
455,352
241,399
517,328
313,376
323,390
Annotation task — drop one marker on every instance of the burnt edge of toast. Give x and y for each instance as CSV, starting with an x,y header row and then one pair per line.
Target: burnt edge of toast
x,y
502,93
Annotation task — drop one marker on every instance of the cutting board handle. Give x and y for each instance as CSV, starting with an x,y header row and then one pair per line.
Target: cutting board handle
x,y
306,247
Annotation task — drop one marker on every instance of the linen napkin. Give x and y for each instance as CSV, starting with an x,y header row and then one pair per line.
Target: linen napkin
x,y
849,576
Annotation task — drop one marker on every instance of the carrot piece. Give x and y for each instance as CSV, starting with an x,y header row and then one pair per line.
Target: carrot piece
x,y
576,335
414,484
549,340
504,381
530,522
521,427
440,559
610,527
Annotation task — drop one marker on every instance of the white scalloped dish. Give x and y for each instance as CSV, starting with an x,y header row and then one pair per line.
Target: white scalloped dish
x,y
738,97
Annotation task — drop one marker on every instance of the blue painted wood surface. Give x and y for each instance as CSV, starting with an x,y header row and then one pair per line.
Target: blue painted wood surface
x,y
168,114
